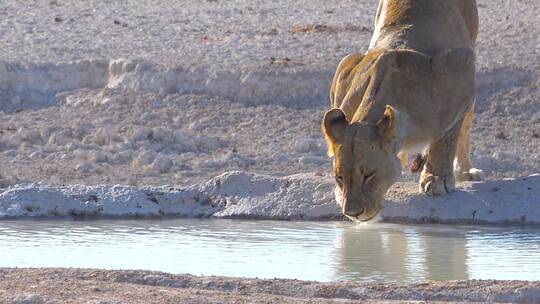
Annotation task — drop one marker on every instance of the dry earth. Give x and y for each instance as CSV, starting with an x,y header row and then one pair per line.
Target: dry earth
x,y
150,131
57,285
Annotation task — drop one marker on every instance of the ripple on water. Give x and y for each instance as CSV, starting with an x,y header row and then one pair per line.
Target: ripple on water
x,y
322,251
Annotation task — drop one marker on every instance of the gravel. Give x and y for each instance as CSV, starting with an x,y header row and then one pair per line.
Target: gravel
x,y
57,285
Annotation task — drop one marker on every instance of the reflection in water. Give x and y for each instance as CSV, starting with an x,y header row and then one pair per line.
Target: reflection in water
x,y
401,253
433,253
322,251
365,253
445,254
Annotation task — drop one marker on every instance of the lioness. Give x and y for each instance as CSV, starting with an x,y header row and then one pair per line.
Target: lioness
x,y
414,89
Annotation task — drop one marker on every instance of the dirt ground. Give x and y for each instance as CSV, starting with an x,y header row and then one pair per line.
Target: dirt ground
x,y
146,132
57,285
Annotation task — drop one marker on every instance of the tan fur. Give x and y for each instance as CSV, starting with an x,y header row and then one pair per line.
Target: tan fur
x,y
396,13
414,87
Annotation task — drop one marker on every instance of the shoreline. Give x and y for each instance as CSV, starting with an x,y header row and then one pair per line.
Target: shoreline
x,y
245,195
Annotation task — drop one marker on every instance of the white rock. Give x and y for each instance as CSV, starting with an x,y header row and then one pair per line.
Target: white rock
x,y
72,101
105,101
36,155
66,157
306,196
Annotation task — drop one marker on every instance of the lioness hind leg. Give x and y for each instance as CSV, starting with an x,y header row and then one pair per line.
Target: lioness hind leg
x,y
437,177
463,171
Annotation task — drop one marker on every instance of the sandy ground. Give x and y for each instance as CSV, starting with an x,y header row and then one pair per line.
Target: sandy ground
x,y
128,123
236,33
57,285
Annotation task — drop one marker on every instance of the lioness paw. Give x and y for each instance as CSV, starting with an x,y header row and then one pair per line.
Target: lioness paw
x,y
473,175
436,185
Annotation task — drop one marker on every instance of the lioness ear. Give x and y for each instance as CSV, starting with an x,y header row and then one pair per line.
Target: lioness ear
x,y
334,124
387,126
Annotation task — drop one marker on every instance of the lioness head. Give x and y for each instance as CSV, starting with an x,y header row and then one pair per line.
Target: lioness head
x,y
365,161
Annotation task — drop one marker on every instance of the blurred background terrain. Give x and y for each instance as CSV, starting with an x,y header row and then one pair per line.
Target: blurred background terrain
x,y
176,92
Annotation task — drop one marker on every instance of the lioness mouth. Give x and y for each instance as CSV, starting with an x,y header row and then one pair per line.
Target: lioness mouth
x,y
369,218
363,220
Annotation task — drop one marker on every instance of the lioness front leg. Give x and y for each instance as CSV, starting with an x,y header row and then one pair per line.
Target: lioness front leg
x,y
438,175
463,171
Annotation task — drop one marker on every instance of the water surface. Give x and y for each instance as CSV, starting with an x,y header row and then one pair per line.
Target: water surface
x,y
322,251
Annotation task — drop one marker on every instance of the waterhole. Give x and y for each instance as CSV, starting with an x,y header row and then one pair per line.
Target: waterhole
x,y
322,251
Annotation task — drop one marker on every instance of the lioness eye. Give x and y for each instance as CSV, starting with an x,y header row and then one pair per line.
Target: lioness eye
x,y
339,180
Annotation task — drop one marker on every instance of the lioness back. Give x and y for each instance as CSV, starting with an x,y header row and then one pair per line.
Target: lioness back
x,y
425,25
